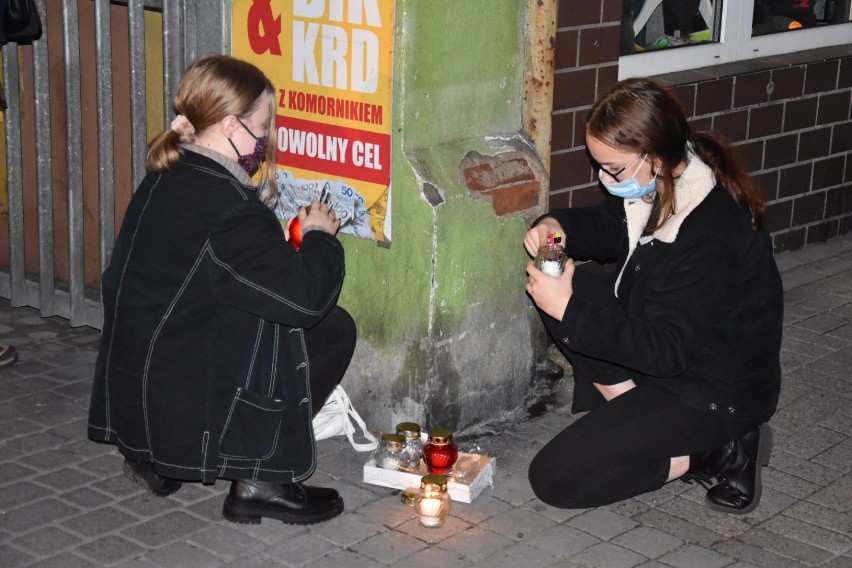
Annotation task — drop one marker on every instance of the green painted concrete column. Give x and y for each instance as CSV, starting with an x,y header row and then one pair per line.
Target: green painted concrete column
x,y
447,335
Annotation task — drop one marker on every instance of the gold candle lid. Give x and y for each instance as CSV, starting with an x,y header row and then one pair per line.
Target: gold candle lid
x,y
411,430
434,482
393,441
440,436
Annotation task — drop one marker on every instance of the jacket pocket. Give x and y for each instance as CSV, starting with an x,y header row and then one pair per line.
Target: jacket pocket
x,y
252,428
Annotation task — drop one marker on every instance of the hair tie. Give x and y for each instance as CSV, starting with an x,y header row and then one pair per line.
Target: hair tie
x,y
184,127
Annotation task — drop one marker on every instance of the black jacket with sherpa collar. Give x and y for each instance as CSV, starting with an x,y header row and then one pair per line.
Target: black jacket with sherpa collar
x,y
697,305
202,367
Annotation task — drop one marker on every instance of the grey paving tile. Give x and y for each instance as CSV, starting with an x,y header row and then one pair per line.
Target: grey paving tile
x,y
167,528
110,549
753,554
431,535
12,557
346,530
226,543
520,554
46,540
65,560
64,479
680,528
563,541
183,555
689,556
434,556
345,558
388,547
518,524
602,523
785,546
389,511
300,550
476,543
828,540
32,515
100,521
837,495
821,516
648,541
608,555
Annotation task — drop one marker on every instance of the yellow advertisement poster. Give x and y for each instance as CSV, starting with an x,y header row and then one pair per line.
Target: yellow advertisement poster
x,y
331,63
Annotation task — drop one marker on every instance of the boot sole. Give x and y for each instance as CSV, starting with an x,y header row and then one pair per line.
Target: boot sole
x,y
241,512
764,451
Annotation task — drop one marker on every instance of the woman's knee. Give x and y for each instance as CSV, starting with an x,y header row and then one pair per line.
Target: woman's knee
x,y
555,483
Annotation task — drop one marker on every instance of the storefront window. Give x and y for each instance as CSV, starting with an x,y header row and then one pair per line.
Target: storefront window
x,y
774,16
659,24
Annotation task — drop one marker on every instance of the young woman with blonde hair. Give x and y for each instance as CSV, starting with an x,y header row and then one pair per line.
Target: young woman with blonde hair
x,y
220,341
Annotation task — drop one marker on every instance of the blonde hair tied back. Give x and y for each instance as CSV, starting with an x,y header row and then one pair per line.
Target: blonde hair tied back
x,y
184,127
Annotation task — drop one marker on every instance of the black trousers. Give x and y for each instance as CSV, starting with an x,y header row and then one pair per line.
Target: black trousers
x,y
623,447
330,345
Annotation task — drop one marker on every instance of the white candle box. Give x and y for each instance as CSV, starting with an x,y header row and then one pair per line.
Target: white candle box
x,y
471,474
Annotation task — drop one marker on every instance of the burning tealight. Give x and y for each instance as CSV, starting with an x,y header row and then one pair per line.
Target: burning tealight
x,y
433,502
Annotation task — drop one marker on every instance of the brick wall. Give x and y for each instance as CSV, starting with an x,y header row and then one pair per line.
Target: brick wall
x,y
789,116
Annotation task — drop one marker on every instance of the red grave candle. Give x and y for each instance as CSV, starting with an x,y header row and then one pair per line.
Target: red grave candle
x,y
440,452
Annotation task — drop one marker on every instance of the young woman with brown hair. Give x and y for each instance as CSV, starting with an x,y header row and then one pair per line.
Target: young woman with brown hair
x,y
676,354
220,341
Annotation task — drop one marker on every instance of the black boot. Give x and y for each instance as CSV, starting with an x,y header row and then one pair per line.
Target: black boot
x,y
740,484
705,467
291,503
143,473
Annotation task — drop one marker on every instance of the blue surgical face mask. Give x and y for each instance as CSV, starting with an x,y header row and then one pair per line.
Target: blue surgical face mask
x,y
629,188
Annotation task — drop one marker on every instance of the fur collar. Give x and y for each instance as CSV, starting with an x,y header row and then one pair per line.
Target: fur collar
x,y
693,185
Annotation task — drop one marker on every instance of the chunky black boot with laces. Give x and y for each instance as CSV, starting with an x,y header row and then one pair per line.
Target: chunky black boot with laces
x,y
291,503
740,485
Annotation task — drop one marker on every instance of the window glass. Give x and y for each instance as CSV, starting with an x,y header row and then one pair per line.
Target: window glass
x,y
774,16
662,24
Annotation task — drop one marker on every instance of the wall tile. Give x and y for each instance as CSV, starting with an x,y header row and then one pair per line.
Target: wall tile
x,y
808,208
588,196
791,240
841,138
752,155
607,78
794,180
828,172
686,95
574,88
573,13
559,200
838,201
750,89
789,82
599,44
612,10
845,79
780,151
814,143
778,216
765,120
800,113
714,96
821,232
733,125
699,124
834,107
821,76
566,49
580,127
563,131
570,169
768,182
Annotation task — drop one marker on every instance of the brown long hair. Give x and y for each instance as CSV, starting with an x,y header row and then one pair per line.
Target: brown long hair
x,y
640,116
214,87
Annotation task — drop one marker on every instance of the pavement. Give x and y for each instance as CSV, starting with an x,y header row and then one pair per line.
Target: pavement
x,y
65,503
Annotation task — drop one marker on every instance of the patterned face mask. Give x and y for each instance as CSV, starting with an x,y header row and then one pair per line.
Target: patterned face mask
x,y
251,162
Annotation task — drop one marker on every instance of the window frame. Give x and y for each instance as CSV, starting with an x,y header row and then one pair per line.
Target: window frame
x,y
735,44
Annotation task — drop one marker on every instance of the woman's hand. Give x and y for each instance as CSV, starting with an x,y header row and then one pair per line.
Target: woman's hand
x,y
549,293
318,216
537,236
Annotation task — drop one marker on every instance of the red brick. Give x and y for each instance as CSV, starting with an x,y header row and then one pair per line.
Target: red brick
x,y
814,143
563,131
573,13
588,196
778,216
571,168
828,172
752,154
821,232
515,198
574,89
794,180
686,95
841,138
733,125
768,182
845,79
496,171
780,151
808,208
607,78
838,202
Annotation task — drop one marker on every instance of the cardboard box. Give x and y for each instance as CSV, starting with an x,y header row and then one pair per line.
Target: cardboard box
x,y
471,474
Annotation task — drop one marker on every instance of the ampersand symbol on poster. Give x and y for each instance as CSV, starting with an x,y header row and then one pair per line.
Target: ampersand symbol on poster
x,y
263,28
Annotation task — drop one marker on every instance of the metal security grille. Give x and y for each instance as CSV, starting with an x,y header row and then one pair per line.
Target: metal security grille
x,y
189,28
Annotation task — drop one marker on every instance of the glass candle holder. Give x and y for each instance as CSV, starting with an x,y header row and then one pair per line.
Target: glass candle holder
x,y
551,259
390,454
412,449
433,502
440,452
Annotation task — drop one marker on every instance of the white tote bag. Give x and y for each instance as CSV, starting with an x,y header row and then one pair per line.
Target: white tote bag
x,y
336,418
